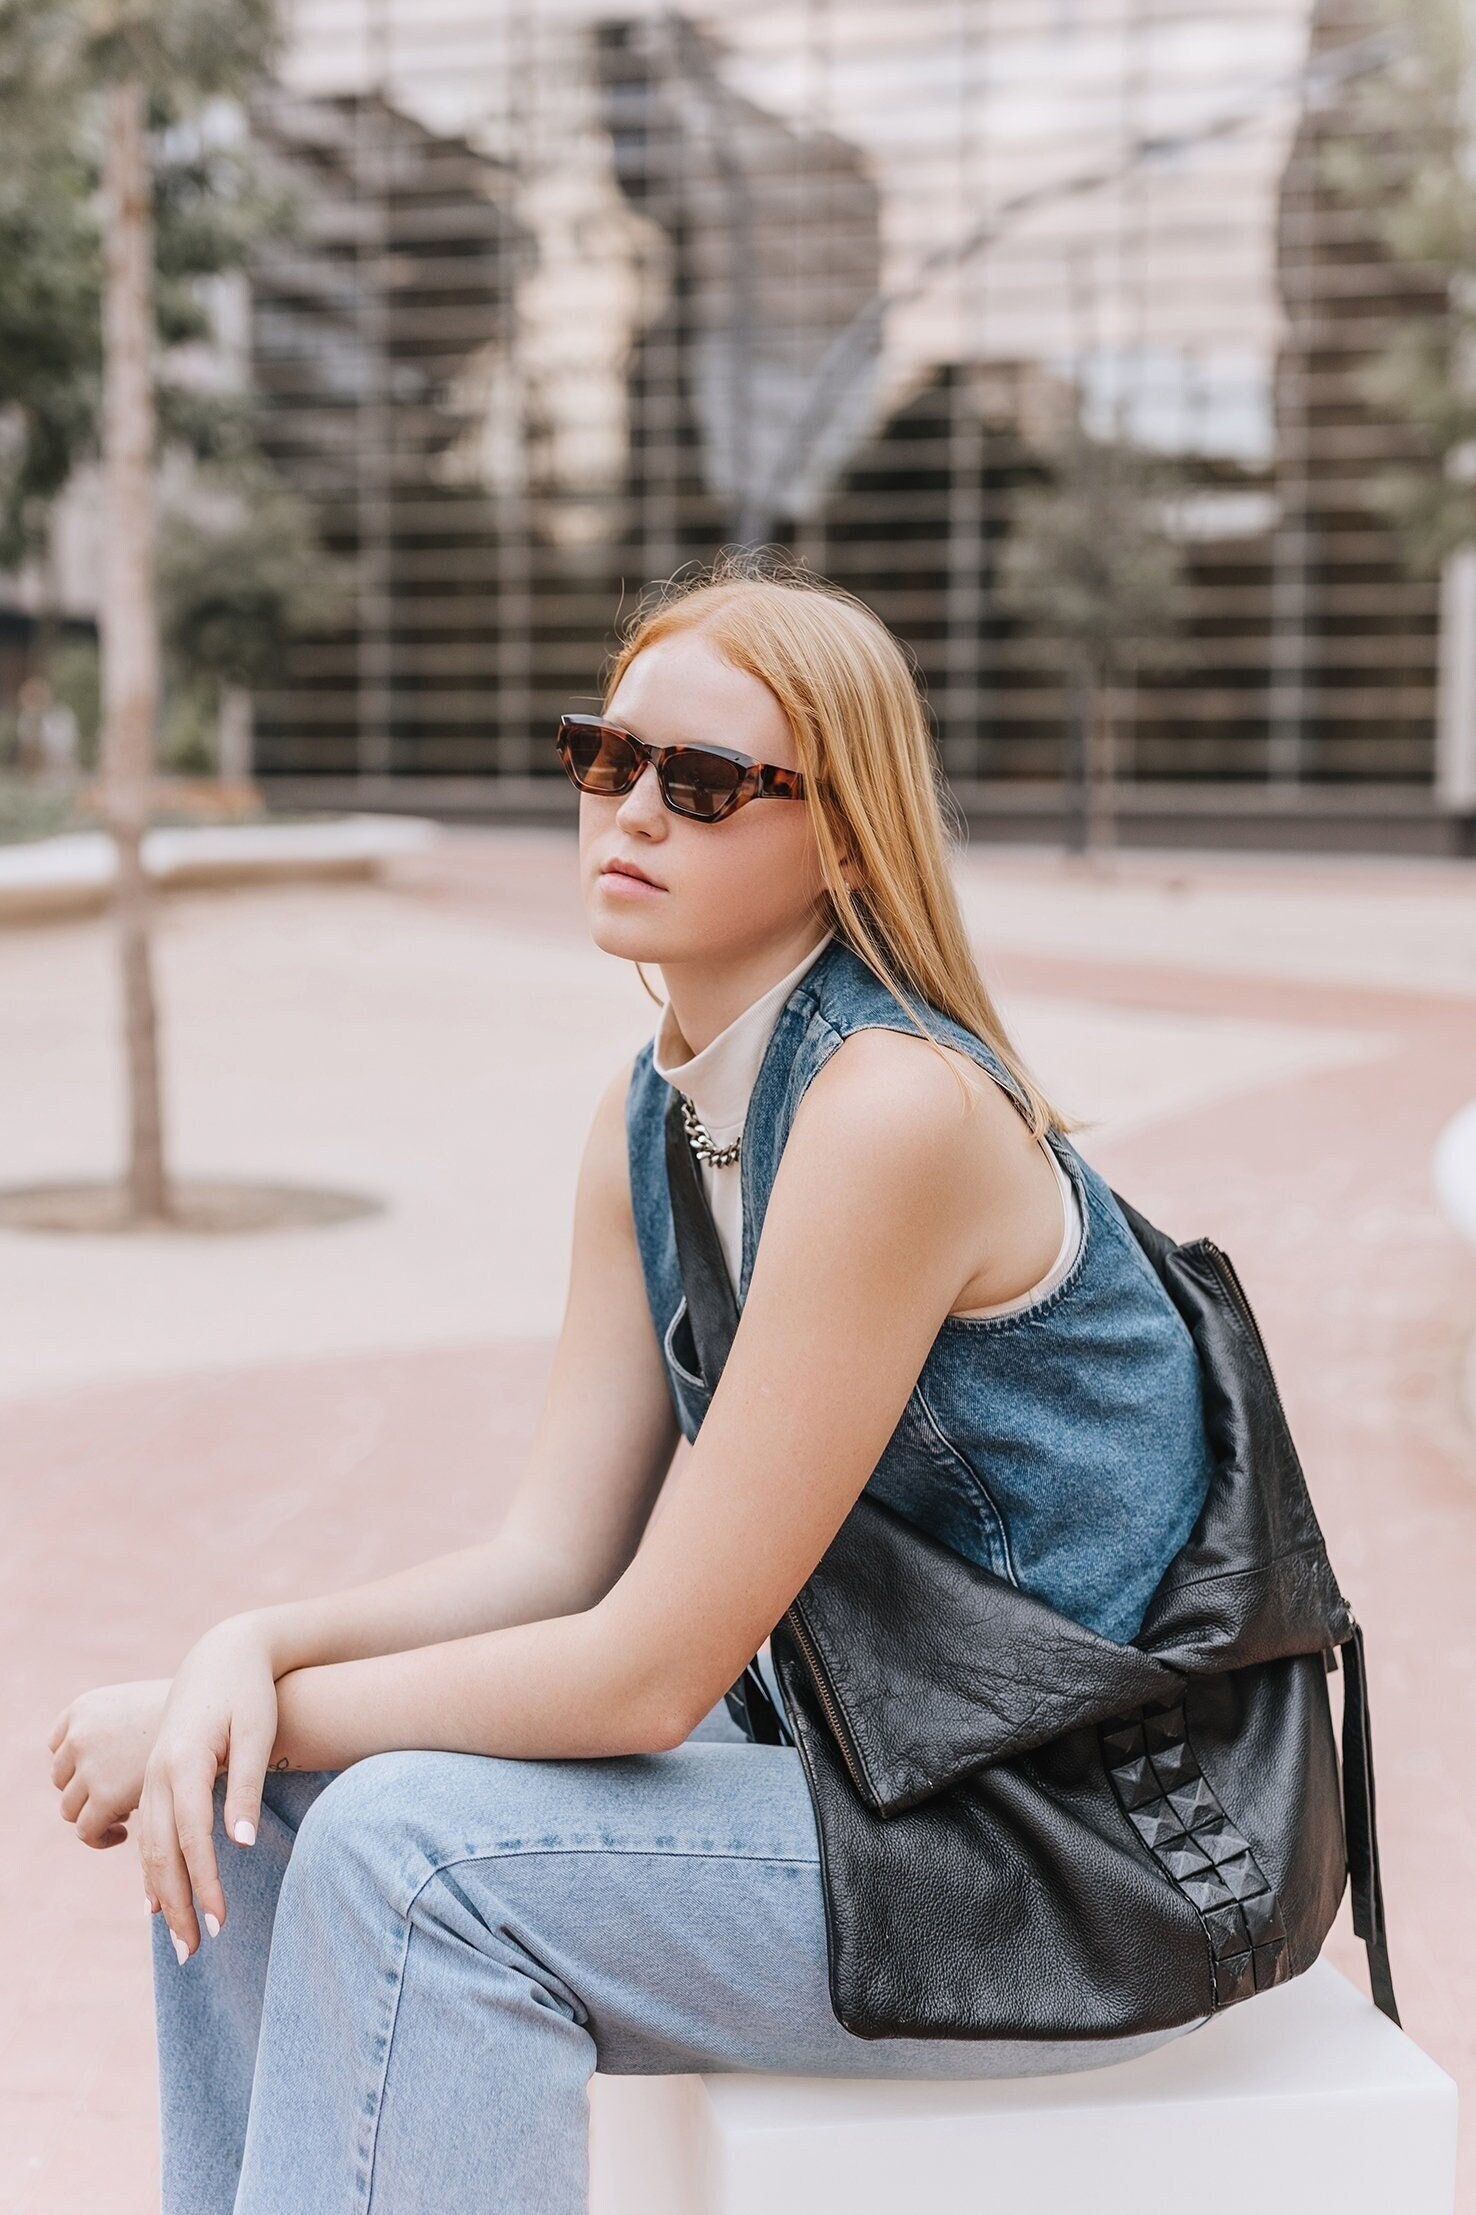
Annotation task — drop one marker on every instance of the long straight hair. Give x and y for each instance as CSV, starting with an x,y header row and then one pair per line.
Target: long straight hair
x,y
873,785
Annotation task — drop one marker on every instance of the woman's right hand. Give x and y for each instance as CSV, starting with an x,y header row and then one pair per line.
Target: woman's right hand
x,y
221,1713
100,1744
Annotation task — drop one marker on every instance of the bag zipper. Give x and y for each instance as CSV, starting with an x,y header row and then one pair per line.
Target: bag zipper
x,y
1229,1276
839,1729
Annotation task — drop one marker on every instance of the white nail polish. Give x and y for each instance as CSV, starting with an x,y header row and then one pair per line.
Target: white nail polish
x,y
244,1833
180,1947
211,1924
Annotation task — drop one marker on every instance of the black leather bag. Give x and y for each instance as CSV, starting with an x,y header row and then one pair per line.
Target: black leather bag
x,y
1028,1831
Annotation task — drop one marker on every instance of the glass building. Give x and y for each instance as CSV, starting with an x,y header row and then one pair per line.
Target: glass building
x,y
575,295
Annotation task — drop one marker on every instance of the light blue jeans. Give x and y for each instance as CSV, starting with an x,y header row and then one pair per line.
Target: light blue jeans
x,y
426,1955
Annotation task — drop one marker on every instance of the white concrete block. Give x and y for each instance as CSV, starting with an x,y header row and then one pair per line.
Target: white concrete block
x,y
646,2144
1305,2101
1454,1170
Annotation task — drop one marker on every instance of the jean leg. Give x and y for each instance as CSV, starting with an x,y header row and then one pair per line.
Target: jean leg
x,y
460,1941
389,1993
207,2010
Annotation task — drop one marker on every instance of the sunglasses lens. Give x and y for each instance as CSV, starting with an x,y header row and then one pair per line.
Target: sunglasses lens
x,y
701,784
598,760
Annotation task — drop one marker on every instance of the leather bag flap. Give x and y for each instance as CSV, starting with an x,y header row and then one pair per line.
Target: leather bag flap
x,y
931,1666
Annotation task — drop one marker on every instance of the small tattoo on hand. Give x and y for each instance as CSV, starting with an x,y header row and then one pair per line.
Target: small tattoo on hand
x,y
284,1763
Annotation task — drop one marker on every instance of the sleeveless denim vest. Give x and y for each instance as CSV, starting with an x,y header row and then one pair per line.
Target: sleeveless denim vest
x,y
1063,1446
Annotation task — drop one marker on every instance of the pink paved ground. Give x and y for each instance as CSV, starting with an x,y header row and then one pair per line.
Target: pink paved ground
x,y
148,1509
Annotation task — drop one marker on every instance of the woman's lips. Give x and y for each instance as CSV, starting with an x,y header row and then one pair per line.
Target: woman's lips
x,y
622,881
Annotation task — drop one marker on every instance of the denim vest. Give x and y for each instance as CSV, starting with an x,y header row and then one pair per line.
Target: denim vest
x,y
1063,1446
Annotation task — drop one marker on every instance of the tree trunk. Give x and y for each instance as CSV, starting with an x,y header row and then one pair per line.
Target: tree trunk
x,y
1075,794
129,624
233,736
1101,813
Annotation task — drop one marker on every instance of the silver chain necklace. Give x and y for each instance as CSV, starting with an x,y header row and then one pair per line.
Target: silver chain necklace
x,y
703,1144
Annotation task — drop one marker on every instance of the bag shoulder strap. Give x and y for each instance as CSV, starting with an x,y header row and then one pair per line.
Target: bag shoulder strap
x,y
712,1305
712,1311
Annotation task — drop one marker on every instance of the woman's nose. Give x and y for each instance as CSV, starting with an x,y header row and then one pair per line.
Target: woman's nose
x,y
642,807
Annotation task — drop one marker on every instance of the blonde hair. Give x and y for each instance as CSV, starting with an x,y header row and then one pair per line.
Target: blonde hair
x,y
873,787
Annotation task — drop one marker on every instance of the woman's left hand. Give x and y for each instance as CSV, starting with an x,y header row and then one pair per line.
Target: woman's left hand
x,y
221,1713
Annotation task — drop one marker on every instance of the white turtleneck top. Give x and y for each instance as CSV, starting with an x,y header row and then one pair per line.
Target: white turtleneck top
x,y
719,1081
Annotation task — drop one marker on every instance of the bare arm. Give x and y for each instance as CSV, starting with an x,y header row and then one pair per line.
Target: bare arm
x,y
864,1248
604,1442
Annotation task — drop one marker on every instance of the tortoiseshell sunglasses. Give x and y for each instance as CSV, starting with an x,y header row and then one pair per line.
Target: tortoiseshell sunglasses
x,y
703,783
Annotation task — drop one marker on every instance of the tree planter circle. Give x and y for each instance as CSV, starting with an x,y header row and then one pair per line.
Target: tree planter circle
x,y
200,1207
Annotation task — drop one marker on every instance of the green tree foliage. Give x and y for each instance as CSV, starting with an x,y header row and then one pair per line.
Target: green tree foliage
x,y
1090,562
50,281
1404,156
49,347
1092,566
239,572
184,51
210,210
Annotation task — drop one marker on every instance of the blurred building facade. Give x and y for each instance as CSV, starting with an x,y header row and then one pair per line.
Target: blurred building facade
x,y
576,295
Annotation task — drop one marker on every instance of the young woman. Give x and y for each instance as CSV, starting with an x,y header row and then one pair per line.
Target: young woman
x,y
462,1835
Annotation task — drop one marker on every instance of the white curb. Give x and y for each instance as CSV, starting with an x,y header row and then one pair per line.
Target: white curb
x,y
73,875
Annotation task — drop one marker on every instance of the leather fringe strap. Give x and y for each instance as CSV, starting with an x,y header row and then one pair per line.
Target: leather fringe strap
x,y
751,1708
1361,1827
